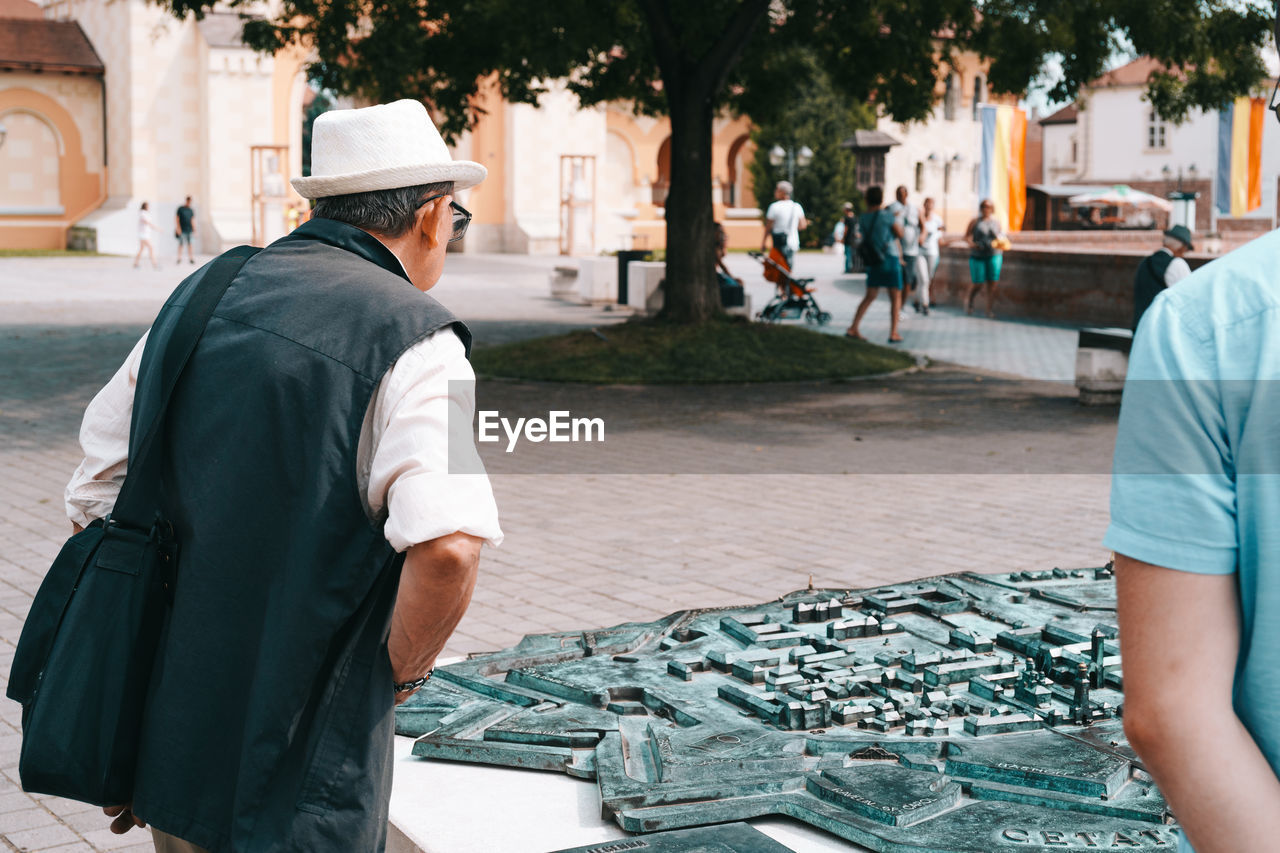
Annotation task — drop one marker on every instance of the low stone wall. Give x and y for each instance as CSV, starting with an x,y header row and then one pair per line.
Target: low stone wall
x,y
1070,286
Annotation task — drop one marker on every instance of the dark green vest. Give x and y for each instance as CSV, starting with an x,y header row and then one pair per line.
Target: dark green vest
x,y
1148,282
269,726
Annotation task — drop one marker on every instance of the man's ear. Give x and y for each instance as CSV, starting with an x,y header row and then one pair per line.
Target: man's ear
x,y
430,221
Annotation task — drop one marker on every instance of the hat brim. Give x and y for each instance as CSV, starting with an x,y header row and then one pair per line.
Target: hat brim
x,y
1183,240
463,174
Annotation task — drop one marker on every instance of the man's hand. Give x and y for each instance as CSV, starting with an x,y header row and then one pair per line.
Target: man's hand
x,y
1180,635
125,819
435,589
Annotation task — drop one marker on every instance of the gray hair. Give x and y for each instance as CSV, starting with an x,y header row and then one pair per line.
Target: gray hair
x,y
784,186
1174,244
387,212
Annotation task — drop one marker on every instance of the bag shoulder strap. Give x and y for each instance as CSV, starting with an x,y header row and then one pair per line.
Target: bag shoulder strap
x,y
141,479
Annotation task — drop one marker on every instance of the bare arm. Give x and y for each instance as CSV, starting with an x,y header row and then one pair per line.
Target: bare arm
x,y
1178,713
968,232
768,231
435,589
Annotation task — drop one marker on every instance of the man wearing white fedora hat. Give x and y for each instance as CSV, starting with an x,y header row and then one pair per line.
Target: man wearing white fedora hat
x,y
329,544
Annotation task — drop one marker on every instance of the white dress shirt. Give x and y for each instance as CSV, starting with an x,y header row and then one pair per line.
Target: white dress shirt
x,y
1177,270
404,459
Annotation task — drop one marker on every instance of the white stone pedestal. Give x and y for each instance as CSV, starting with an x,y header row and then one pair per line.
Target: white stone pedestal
x,y
644,278
1102,362
598,279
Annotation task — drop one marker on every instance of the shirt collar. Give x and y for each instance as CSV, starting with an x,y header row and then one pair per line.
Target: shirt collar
x,y
352,239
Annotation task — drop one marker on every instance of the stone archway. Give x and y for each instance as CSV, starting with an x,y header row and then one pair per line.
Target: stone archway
x,y
662,184
30,165
38,211
737,190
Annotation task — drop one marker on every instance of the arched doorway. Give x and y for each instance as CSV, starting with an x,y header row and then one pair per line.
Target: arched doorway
x,y
29,164
737,192
662,185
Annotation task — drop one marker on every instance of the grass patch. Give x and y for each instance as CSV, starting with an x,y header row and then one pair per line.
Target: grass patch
x,y
48,253
653,352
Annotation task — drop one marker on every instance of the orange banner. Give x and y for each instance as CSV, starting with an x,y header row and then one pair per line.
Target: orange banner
x,y
1018,169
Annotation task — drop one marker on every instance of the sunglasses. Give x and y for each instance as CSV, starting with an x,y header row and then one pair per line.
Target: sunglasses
x,y
461,217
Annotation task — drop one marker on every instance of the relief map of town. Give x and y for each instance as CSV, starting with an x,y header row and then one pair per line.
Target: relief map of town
x,y
963,713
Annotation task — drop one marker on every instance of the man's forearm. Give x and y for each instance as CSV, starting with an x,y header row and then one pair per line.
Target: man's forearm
x,y
1178,710
1216,780
435,589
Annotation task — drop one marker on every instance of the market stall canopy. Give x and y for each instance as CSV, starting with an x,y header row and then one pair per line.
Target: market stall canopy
x,y
1120,195
867,140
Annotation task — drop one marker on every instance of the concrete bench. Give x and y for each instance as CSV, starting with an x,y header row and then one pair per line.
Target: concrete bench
x,y
598,279
564,282
644,286
1102,361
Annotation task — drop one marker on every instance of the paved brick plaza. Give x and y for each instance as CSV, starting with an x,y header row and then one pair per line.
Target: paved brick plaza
x,y
853,483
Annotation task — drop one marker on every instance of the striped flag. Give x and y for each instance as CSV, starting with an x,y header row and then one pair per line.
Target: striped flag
x,y
1239,182
1002,172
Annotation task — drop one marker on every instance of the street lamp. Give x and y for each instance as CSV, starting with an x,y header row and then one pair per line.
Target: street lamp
x,y
1184,202
1166,172
793,157
948,163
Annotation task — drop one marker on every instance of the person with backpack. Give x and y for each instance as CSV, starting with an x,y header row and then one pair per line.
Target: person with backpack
x,y
783,222
883,266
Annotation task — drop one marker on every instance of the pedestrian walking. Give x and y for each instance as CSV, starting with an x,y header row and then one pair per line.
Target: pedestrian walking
x,y
849,236
1161,270
987,243
907,218
783,222
931,230
328,544
184,228
884,269
146,231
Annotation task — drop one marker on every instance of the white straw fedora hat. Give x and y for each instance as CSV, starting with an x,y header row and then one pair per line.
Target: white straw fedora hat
x,y
380,148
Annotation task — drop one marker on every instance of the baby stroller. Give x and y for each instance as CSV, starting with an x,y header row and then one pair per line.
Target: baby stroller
x,y
794,298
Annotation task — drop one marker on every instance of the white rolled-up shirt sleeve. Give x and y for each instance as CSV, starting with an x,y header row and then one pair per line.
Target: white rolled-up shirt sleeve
x,y
422,466
404,457
104,438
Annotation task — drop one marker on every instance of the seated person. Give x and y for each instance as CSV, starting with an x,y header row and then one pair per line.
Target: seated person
x,y
731,293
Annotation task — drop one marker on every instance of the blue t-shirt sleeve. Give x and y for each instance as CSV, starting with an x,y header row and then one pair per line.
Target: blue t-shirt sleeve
x,y
1173,494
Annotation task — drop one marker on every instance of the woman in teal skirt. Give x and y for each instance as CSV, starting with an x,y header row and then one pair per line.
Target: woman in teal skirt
x,y
985,236
885,270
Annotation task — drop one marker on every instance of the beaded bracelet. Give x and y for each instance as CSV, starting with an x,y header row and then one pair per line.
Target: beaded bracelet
x,y
413,685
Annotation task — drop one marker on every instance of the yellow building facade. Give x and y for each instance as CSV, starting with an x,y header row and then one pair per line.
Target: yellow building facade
x,y
109,103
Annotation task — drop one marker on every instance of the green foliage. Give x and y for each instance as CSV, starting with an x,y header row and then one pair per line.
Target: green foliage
x,y
692,59
321,103
725,350
1210,47
820,116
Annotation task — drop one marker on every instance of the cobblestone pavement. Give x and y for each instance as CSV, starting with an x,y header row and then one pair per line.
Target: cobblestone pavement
x,y
1032,350
700,496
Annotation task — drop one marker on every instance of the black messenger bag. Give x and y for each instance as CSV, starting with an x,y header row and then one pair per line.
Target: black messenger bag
x,y
83,663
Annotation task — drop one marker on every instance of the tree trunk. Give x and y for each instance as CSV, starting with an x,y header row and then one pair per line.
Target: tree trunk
x,y
692,294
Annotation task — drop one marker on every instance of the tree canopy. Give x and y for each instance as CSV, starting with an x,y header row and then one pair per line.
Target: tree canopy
x,y
820,116
690,60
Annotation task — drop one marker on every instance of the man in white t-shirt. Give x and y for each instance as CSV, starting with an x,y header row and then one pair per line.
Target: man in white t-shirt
x,y
907,247
783,221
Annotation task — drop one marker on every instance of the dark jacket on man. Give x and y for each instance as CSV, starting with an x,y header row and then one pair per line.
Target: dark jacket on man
x,y
270,720
1148,282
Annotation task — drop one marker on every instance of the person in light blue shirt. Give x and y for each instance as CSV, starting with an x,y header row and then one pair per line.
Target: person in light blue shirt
x,y
1195,526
